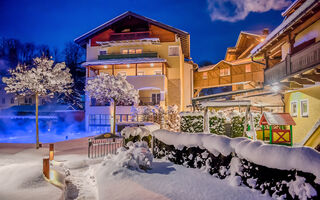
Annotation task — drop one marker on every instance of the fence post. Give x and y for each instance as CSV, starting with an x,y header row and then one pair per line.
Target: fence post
x,y
46,168
89,145
51,151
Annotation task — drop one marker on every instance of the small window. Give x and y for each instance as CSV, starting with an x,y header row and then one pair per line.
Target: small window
x,y
25,100
124,51
158,72
132,51
248,68
12,100
103,52
141,73
173,51
225,72
138,51
30,100
304,106
205,75
294,108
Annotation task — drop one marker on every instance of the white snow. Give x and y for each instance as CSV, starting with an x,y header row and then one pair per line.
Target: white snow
x,y
274,156
301,189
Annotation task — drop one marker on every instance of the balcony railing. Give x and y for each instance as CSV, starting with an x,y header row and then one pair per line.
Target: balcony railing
x,y
293,64
121,56
129,36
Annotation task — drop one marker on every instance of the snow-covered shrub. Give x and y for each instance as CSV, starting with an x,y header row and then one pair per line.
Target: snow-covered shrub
x,y
217,123
159,116
173,118
147,114
142,133
137,156
237,124
256,119
191,122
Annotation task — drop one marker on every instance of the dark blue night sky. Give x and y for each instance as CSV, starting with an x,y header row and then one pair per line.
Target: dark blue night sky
x,y
56,22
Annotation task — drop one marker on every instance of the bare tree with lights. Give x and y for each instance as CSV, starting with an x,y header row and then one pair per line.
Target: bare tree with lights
x,y
116,89
43,78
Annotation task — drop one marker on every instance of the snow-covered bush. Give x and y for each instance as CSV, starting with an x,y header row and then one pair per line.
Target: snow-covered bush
x,y
237,124
281,171
142,133
173,118
191,122
137,156
217,123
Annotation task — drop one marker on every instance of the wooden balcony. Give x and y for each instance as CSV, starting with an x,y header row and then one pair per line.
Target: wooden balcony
x,y
129,36
122,56
294,64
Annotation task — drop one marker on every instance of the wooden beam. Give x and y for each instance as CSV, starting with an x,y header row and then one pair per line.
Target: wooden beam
x,y
136,69
113,70
312,77
291,85
301,81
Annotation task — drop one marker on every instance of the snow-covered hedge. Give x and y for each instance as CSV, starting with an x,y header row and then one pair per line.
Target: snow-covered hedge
x,y
191,122
142,133
281,171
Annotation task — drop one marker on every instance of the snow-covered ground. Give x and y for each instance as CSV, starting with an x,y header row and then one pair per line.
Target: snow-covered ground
x,y
21,178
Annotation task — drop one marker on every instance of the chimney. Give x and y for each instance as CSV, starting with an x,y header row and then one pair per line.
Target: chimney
x,y
265,31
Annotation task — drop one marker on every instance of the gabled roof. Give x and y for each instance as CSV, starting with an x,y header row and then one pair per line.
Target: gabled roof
x,y
83,39
269,118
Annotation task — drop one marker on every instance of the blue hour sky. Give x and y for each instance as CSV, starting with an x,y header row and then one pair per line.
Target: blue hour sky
x,y
213,25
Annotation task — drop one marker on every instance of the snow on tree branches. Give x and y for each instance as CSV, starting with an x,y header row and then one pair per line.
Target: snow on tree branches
x,y
42,78
106,88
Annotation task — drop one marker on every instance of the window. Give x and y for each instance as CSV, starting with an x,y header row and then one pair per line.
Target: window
x,y
248,68
294,108
25,100
30,100
12,100
141,73
99,119
131,51
157,72
225,72
205,75
155,99
173,51
3,100
304,108
103,52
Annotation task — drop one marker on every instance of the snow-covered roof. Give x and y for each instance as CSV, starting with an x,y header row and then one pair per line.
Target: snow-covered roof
x,y
124,61
284,25
269,118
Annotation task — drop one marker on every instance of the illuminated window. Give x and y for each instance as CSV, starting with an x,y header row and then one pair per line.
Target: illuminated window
x,y
124,51
173,51
99,119
132,51
248,68
304,108
138,51
294,108
225,72
141,73
205,75
157,72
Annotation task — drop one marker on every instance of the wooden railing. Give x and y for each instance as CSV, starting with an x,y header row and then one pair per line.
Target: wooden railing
x,y
295,63
102,147
120,56
129,36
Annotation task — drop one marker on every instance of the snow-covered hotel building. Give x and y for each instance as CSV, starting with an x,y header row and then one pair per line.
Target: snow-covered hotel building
x,y
155,58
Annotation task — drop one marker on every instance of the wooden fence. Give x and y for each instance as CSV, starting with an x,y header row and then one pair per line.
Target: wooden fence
x,y
102,147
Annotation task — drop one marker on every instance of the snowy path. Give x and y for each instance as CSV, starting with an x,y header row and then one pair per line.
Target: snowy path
x,y
167,181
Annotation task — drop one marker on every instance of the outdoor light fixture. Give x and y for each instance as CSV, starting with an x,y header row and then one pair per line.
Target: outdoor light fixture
x,y
128,65
105,66
151,64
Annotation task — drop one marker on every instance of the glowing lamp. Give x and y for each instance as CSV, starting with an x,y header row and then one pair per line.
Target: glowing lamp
x,y
105,66
128,65
51,151
151,64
